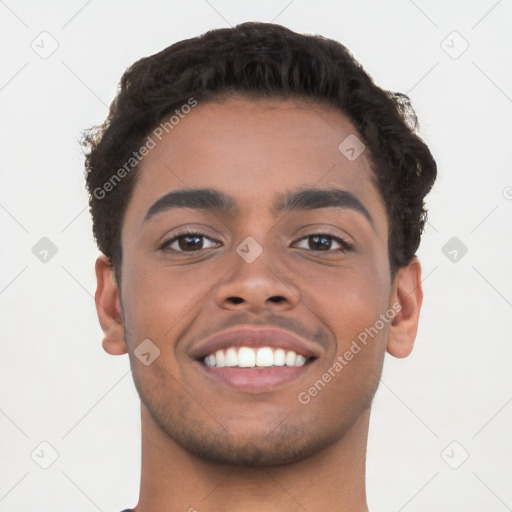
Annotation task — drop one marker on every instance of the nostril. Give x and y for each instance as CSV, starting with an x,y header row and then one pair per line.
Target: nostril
x,y
236,300
276,299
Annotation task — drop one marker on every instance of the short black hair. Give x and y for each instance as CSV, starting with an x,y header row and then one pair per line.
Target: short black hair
x,y
259,60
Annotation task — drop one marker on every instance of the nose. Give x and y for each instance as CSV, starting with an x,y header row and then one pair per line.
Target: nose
x,y
257,285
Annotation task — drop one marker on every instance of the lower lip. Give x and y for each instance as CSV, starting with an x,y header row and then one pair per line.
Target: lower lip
x,y
255,380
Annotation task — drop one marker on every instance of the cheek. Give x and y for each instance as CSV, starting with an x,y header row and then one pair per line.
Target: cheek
x,y
351,306
158,298
350,302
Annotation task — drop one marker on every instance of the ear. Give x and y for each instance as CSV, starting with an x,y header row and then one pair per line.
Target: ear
x,y
109,309
406,299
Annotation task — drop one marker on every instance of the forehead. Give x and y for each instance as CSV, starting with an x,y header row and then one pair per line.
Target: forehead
x,y
253,150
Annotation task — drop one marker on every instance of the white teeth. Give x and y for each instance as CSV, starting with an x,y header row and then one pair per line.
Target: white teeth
x,y
299,361
231,357
248,357
220,359
264,357
210,361
279,357
291,357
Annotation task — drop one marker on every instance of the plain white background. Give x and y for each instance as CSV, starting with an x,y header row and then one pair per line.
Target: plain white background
x,y
57,384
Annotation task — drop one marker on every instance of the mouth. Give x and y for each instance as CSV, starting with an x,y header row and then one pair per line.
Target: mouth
x,y
255,360
249,357
251,372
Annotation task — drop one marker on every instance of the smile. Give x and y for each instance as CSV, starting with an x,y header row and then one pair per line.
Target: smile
x,y
249,357
255,359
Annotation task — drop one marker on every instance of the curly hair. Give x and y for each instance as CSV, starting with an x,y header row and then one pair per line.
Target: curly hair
x,y
260,60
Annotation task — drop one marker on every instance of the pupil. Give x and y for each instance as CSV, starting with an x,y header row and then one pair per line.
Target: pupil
x,y
184,244
320,242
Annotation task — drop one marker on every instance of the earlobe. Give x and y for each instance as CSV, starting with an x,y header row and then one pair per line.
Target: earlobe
x,y
108,306
406,300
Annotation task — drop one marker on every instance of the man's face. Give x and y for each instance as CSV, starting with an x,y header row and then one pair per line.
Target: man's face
x,y
292,274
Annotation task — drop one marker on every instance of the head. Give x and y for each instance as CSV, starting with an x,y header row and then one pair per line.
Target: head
x,y
260,132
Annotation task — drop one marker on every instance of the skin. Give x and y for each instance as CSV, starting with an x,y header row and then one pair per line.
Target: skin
x,y
212,448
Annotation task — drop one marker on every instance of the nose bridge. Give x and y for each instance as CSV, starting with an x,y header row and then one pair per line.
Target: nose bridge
x,y
256,278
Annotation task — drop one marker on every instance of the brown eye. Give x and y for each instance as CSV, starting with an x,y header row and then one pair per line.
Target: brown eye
x,y
324,243
188,242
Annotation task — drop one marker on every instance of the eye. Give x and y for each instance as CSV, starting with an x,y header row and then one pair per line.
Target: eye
x,y
324,243
188,242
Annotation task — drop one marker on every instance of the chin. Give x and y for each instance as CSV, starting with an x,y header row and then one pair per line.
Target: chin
x,y
264,450
255,446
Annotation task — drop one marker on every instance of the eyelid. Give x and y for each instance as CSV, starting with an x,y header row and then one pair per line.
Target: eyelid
x,y
164,246
346,246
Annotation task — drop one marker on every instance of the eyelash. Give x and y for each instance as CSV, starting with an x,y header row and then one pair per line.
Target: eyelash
x,y
345,245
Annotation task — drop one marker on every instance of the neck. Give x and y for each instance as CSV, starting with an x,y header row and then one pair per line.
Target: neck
x,y
172,479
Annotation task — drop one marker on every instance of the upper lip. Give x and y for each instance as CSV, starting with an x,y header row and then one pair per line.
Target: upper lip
x,y
254,337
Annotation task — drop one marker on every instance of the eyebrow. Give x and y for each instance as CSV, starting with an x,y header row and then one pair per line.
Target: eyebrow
x,y
314,198
199,198
306,199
